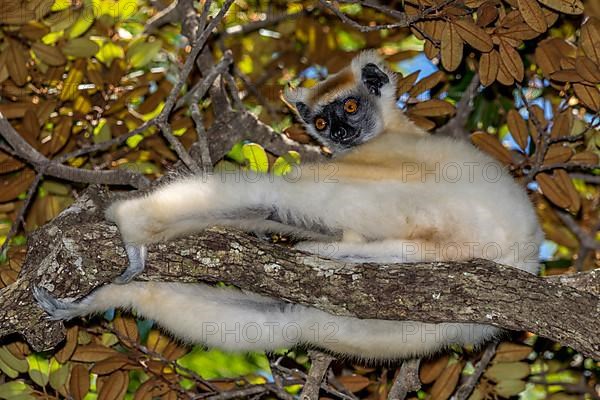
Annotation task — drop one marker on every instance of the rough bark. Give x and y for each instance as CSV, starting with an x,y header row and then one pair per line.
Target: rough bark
x,y
78,251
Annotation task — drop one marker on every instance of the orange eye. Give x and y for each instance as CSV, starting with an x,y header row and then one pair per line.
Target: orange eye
x,y
351,106
320,123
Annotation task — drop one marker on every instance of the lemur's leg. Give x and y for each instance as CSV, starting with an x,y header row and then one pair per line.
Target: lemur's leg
x,y
384,251
197,203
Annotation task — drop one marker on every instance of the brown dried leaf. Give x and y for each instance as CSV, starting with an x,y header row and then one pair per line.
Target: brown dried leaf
x,y
475,36
519,32
574,7
406,83
565,182
585,158
492,146
518,128
511,59
563,123
157,342
31,123
174,352
566,75
34,30
444,386
51,55
421,122
64,354
551,16
549,53
567,63
19,349
127,328
93,353
110,365
589,39
486,14
513,17
488,67
115,387
17,67
511,352
354,383
587,69
8,276
15,110
150,389
558,153
16,14
431,369
433,108
553,190
588,95
427,83
79,384
452,48
504,76
533,15
13,185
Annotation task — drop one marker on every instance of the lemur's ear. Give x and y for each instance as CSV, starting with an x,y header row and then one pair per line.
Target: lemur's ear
x,y
373,78
295,98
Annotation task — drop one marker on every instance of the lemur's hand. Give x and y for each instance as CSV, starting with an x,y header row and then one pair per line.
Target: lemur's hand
x,y
135,228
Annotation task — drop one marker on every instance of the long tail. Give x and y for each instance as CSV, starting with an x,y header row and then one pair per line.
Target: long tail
x,y
239,321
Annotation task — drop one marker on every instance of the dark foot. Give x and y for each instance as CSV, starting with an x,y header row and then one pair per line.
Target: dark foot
x,y
137,261
57,309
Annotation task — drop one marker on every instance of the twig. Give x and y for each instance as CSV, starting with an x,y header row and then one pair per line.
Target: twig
x,y
257,25
589,178
49,167
276,365
190,62
456,127
403,20
178,147
20,219
200,88
104,145
318,368
587,240
465,390
406,381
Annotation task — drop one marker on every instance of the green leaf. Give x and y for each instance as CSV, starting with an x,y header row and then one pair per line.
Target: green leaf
x,y
12,361
39,369
80,47
141,53
256,157
10,372
509,388
508,371
285,163
82,24
14,388
109,52
102,132
59,374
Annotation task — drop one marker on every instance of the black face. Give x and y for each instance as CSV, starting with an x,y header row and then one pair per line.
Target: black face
x,y
345,122
350,120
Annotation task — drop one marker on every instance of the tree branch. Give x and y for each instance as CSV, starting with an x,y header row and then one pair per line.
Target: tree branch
x,y
79,251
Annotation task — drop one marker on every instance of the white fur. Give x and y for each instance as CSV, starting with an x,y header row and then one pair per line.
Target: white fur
x,y
436,215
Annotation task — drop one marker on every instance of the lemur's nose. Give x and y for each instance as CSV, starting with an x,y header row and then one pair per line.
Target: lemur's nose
x,y
339,134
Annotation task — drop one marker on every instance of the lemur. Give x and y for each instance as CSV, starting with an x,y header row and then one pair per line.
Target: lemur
x,y
391,193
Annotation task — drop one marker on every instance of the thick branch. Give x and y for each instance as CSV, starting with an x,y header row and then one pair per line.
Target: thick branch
x,y
78,251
